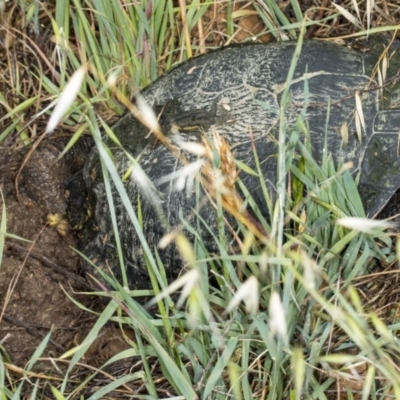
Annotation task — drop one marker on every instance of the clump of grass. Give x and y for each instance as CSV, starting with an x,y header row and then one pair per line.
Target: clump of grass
x,y
290,329
304,329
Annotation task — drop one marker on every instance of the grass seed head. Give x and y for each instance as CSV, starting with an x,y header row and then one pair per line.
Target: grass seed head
x,y
224,178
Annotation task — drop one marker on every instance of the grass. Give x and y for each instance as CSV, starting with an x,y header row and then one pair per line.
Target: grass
x,y
285,317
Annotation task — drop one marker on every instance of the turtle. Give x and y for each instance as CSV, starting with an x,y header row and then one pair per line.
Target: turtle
x,y
237,91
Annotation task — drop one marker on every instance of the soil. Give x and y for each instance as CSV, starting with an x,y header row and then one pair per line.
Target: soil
x,y
37,275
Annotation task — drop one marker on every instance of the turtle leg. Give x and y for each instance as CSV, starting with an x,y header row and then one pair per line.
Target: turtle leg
x,y
76,194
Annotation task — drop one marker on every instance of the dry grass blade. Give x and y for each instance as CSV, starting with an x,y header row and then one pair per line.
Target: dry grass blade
x,y
219,183
360,116
363,224
188,45
348,16
369,11
224,177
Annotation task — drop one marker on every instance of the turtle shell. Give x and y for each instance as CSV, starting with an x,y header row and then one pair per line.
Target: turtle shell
x,y
238,90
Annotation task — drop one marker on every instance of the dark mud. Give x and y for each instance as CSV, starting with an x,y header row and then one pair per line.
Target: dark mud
x,y
36,273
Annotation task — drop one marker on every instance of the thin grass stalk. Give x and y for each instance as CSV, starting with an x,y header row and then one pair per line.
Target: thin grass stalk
x,y
297,10
266,194
186,32
90,338
62,27
115,384
150,384
117,239
229,20
354,325
281,21
162,28
281,182
3,226
279,221
125,199
245,388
